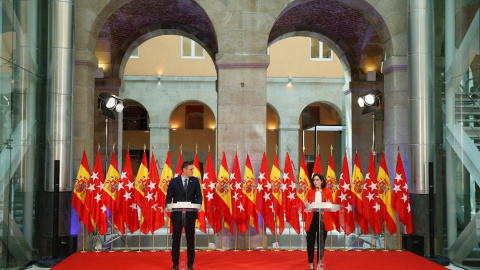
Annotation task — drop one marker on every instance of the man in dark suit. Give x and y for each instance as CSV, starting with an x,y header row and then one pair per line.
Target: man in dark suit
x,y
184,188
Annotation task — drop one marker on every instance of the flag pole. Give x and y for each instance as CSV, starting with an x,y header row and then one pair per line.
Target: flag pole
x,y
236,236
358,239
111,228
371,242
208,239
344,242
83,238
303,235
276,234
384,238
249,236
399,247
331,240
153,242
168,224
289,239
126,242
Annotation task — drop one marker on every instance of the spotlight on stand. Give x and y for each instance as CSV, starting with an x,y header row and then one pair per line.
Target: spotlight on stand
x,y
371,101
108,102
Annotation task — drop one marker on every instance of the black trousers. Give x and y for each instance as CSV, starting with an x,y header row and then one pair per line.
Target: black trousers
x,y
313,234
190,235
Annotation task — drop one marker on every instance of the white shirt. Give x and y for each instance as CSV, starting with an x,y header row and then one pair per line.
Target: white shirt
x,y
318,196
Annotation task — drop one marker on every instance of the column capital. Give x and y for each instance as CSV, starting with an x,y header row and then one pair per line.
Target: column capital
x,y
234,61
395,63
86,58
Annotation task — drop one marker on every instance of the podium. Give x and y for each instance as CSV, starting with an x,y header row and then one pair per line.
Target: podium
x,y
183,207
321,208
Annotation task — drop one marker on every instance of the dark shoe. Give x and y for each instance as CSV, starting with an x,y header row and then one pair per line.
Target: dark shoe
x,y
175,267
190,268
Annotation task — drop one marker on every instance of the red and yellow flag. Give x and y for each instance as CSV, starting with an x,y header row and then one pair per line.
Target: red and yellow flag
x,y
165,178
125,203
239,214
141,181
385,195
200,223
93,199
288,195
249,191
371,202
80,192
264,202
401,198
223,200
110,189
357,192
303,186
209,183
332,185
276,183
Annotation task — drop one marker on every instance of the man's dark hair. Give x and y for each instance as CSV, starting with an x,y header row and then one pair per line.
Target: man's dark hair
x,y
185,164
322,179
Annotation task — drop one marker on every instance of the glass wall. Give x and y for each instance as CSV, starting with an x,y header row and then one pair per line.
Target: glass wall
x,y
22,95
458,127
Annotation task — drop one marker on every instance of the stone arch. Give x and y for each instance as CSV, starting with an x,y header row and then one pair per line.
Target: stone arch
x,y
275,110
127,31
346,39
367,10
339,47
152,31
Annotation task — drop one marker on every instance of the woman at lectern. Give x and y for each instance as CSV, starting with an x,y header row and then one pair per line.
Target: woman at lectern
x,y
317,193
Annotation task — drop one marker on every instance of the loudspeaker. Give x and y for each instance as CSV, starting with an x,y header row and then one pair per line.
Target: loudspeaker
x,y
68,245
413,243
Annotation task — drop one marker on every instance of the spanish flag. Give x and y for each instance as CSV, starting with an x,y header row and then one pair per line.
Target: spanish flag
x,y
249,190
385,195
332,185
110,189
223,200
79,193
303,186
276,183
357,192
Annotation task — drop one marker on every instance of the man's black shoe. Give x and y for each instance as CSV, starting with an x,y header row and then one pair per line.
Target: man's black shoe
x,y
190,268
175,267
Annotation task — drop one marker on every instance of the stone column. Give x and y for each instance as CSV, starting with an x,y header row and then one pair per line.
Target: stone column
x,y
160,137
242,97
395,117
84,104
288,137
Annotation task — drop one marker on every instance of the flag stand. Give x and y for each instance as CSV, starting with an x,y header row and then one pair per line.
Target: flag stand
x,y
126,243
384,238
399,247
289,239
263,235
371,242
96,246
236,236
303,235
276,234
139,235
111,235
344,242
153,241
331,240
249,236
166,236
83,238
358,239
208,239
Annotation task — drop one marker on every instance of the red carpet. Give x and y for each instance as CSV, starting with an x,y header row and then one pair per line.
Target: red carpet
x,y
255,260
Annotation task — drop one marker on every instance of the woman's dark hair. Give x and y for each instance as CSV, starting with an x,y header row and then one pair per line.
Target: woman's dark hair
x,y
322,178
